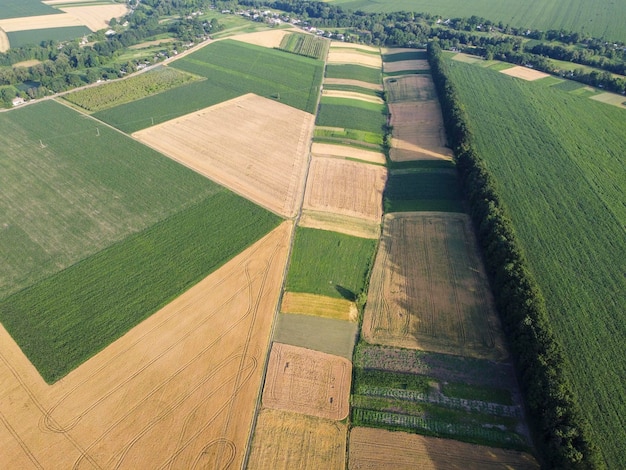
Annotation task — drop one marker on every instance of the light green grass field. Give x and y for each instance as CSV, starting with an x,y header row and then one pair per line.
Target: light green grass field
x,y
35,36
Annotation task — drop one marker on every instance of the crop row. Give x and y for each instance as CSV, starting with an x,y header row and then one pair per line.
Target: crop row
x,y
306,45
354,72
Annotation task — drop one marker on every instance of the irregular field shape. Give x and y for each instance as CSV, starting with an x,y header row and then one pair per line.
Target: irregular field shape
x,y
355,226
97,17
285,441
345,187
352,95
428,289
191,372
524,73
270,38
402,65
381,449
319,305
307,382
319,149
254,146
348,81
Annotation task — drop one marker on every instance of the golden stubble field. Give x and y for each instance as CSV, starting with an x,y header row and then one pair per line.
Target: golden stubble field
x,y
95,17
352,95
308,382
428,288
4,41
177,391
319,306
524,73
254,146
386,450
343,53
270,38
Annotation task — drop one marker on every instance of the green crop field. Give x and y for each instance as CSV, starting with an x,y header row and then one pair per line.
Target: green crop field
x,y
559,159
329,263
406,55
35,36
354,72
597,18
353,88
352,114
353,137
20,8
232,68
306,45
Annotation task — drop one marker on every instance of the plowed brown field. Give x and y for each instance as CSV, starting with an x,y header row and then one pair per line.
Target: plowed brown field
x,y
308,382
428,288
255,146
405,65
385,450
287,441
177,391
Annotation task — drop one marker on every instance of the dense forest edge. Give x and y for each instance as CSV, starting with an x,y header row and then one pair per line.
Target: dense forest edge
x,y
561,433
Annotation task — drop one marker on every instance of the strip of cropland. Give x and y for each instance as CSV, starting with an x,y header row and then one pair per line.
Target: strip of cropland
x,y
21,8
233,68
35,36
559,161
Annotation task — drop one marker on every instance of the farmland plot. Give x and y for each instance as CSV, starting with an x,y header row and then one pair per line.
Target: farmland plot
x,y
252,145
354,226
405,65
351,95
428,289
319,149
351,82
319,305
192,372
342,56
308,382
524,73
270,38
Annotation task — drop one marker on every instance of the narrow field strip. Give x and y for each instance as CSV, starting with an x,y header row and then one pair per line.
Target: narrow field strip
x,y
347,81
346,151
354,226
352,96
319,305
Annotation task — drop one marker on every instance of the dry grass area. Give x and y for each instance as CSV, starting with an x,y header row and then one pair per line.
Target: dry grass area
x,y
354,226
27,63
524,73
308,382
286,441
344,151
253,145
61,20
405,65
177,391
353,95
147,44
610,98
347,81
346,187
270,38
319,305
351,45
428,288
347,56
386,450
5,45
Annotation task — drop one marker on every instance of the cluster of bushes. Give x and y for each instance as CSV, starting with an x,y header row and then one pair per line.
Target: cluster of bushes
x,y
561,433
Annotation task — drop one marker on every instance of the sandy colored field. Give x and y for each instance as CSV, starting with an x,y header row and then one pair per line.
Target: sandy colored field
x,y
354,226
255,146
345,187
4,41
524,73
97,17
177,391
428,288
319,305
418,132
402,65
270,38
348,81
610,98
386,450
342,56
332,150
308,382
353,95
61,20
286,441
351,45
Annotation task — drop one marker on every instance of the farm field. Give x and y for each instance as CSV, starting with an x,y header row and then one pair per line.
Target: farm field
x,y
319,305
319,149
35,36
354,226
284,441
351,114
351,82
359,73
293,80
565,183
352,95
306,45
21,8
255,146
405,65
343,55
192,371
381,449
428,289
307,382
524,73
270,38
354,138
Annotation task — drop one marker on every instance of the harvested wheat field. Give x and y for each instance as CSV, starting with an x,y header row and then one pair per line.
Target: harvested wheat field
x,y
319,305
253,145
177,391
61,20
355,226
286,441
428,288
346,56
270,38
348,81
352,95
386,450
352,45
405,65
4,41
319,149
97,17
524,73
346,187
308,382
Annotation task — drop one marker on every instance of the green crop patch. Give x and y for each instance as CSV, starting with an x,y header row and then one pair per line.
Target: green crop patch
x,y
352,117
329,263
21,8
422,189
366,105
405,55
349,137
354,72
306,45
36,36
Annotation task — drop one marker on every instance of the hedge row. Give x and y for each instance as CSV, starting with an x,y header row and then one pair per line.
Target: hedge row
x,y
560,432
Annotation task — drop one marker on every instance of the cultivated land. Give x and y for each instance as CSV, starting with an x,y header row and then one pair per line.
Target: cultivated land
x,y
192,372
20,8
351,114
354,226
359,73
354,57
564,183
405,65
319,149
356,83
307,382
524,73
284,441
354,95
319,305
428,289
255,146
4,41
35,36
270,38
380,449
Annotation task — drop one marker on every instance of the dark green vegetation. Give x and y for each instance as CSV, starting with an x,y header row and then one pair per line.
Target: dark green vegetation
x,y
232,68
20,8
352,114
354,72
35,36
407,55
123,91
306,45
329,263
561,178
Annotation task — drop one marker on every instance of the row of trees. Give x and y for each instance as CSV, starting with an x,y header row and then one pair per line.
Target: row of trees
x,y
562,435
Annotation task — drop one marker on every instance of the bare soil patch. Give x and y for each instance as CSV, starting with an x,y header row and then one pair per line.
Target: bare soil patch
x,y
5,45
347,81
308,382
255,146
177,391
524,73
61,20
319,305
405,65
345,187
354,226
270,38
429,291
332,150
381,449
411,88
342,56
285,441
353,95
